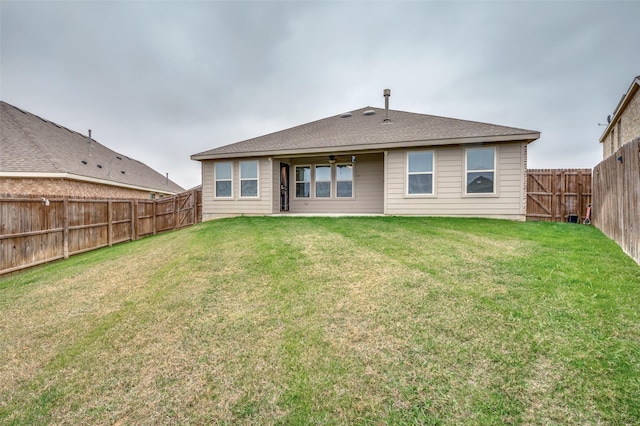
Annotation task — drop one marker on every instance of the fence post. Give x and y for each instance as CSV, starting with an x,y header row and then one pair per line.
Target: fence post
x,y
65,227
563,201
579,196
553,197
136,219
109,223
176,204
193,206
132,210
155,214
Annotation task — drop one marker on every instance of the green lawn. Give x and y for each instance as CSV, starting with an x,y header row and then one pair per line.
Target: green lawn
x,y
328,321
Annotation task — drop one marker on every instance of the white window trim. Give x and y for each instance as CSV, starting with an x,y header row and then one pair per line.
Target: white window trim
x,y
257,179
216,180
433,193
296,181
353,181
315,181
493,194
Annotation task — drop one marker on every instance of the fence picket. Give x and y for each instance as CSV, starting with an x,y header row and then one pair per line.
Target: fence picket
x,y
37,232
616,197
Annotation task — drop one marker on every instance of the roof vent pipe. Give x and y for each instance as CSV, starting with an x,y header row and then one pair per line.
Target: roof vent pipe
x,y
89,135
387,94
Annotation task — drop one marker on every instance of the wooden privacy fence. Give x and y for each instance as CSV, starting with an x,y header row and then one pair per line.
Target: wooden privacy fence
x,y
616,197
555,194
39,230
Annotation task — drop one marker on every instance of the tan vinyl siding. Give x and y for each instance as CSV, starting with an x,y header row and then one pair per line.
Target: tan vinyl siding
x,y
368,188
220,207
449,179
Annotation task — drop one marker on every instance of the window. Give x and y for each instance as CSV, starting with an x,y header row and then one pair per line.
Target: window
x,y
323,181
480,170
248,178
344,180
223,174
303,181
420,172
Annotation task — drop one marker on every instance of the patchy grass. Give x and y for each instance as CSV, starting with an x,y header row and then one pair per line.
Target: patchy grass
x,y
328,321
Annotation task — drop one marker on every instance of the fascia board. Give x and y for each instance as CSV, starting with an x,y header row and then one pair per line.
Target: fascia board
x,y
528,137
72,176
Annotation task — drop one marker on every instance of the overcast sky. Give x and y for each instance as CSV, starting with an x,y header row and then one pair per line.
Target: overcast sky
x,y
160,81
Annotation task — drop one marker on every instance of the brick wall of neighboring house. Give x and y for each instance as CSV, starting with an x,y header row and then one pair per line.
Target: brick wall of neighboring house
x,y
67,187
625,129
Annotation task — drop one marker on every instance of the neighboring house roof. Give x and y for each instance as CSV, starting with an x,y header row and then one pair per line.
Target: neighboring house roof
x,y
624,101
359,130
31,146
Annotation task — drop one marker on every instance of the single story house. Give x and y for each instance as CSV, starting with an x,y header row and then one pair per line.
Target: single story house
x,y
373,161
40,157
624,124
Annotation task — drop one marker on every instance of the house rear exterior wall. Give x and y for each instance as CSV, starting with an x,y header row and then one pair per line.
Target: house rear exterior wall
x,y
625,129
449,198
215,208
67,187
379,186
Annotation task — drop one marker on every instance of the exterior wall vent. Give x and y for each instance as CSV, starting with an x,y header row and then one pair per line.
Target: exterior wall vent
x,y
369,112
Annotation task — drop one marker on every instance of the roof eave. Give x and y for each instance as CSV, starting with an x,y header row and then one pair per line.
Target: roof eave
x,y
80,178
526,137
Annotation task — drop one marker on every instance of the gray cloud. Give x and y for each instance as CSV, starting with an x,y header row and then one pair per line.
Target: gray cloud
x,y
159,81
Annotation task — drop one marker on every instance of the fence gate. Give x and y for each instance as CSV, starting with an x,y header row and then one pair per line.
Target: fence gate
x,y
555,194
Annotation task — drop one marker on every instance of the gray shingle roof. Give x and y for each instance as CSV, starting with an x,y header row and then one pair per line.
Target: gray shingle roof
x,y
32,144
360,131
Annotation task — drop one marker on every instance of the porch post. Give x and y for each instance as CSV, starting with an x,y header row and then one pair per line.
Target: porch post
x,y
384,184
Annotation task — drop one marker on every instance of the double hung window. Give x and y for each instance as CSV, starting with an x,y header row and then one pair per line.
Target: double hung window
x,y
420,173
480,170
323,181
344,180
223,173
248,178
303,181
